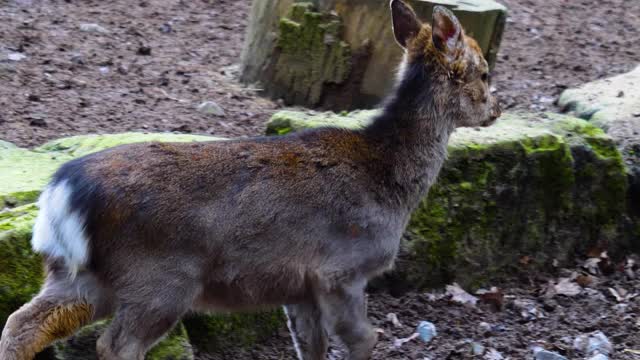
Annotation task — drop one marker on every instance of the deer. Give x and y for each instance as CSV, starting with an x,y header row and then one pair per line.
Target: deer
x,y
145,233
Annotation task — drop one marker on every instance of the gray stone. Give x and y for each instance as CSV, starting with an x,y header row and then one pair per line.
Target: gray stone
x,y
541,354
93,28
211,108
593,344
16,56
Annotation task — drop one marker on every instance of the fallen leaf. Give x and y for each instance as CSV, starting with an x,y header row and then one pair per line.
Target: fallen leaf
x,y
459,295
393,319
399,342
494,297
591,265
566,287
585,280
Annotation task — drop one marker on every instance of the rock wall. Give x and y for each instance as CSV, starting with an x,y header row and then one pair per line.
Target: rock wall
x,y
613,104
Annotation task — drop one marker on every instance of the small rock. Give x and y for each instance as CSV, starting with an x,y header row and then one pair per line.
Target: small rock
x,y
427,331
93,28
78,59
477,349
485,327
621,94
593,343
144,50
542,354
599,357
493,354
166,28
33,97
211,108
528,309
38,122
104,70
16,56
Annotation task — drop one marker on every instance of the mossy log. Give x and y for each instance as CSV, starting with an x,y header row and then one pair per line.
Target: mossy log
x,y
341,54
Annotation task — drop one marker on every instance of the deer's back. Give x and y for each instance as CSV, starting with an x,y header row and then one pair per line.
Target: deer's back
x,y
238,215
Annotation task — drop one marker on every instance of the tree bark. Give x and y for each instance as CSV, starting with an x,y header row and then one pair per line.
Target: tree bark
x,y
341,54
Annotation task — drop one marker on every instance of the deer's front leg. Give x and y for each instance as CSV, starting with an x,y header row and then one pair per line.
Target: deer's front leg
x,y
308,335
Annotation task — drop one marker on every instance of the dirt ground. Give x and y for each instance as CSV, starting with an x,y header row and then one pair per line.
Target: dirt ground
x,y
150,63
154,61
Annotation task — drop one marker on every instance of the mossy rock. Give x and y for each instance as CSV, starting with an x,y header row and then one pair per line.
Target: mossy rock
x,y
535,187
23,173
21,271
217,333
605,101
76,146
82,345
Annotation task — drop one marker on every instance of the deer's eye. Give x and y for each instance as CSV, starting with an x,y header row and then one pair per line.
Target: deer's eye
x,y
485,77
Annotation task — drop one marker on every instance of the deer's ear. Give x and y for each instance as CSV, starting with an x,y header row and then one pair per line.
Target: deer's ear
x,y
406,24
447,32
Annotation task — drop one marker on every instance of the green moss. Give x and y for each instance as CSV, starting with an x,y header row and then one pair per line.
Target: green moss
x,y
21,271
284,122
76,146
175,346
311,54
82,345
217,332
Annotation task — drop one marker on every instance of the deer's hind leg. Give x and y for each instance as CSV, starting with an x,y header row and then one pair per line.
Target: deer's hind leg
x,y
307,331
142,319
63,306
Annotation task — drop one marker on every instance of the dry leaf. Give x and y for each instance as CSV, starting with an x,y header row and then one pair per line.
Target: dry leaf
x,y
459,295
494,297
399,342
566,287
393,319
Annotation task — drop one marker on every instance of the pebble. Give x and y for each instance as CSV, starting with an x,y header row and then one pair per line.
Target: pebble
x,y
211,108
541,354
599,357
477,348
93,28
427,331
16,56
593,344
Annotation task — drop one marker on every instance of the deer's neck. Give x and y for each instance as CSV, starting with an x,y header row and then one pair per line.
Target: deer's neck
x,y
413,132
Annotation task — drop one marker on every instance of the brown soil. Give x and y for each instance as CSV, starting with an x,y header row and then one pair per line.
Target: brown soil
x,y
161,59
157,63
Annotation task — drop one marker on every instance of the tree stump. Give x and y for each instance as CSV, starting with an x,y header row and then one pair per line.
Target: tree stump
x,y
341,54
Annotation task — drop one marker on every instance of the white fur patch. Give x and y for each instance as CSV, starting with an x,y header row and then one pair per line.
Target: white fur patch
x,y
402,67
294,336
59,230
